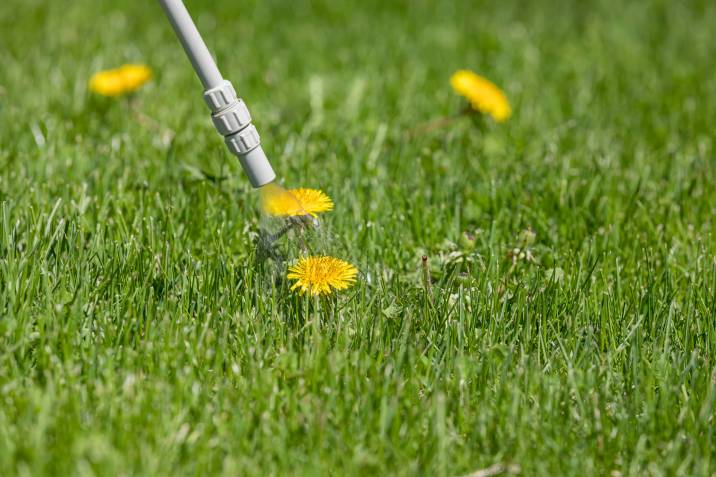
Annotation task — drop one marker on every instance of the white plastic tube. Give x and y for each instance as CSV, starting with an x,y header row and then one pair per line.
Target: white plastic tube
x,y
230,116
192,42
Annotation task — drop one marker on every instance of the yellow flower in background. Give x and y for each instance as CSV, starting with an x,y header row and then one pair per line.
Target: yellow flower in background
x,y
119,81
321,275
482,94
295,202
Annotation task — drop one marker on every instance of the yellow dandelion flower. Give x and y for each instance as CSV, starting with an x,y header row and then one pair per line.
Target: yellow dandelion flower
x,y
320,275
482,94
294,202
119,81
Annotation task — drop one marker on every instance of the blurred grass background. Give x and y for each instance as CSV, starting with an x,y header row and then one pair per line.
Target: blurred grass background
x,y
138,337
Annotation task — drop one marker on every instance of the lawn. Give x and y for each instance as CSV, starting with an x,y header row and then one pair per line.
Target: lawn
x,y
568,326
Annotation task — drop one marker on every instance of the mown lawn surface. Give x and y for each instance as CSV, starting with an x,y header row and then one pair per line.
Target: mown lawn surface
x,y
139,335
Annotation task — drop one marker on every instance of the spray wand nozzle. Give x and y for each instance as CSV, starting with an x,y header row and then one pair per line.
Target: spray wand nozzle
x,y
229,114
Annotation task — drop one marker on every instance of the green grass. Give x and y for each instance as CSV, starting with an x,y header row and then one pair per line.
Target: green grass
x,y
139,337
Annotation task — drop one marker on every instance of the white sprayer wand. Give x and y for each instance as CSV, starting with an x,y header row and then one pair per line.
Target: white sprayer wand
x,y
229,113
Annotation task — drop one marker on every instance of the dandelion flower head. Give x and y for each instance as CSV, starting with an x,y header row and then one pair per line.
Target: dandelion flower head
x,y
321,275
119,81
294,202
483,95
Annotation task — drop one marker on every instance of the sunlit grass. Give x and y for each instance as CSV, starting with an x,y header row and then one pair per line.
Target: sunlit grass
x,y
562,323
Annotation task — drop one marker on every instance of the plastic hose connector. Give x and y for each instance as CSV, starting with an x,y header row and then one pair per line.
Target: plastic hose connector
x,y
243,141
220,97
232,120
